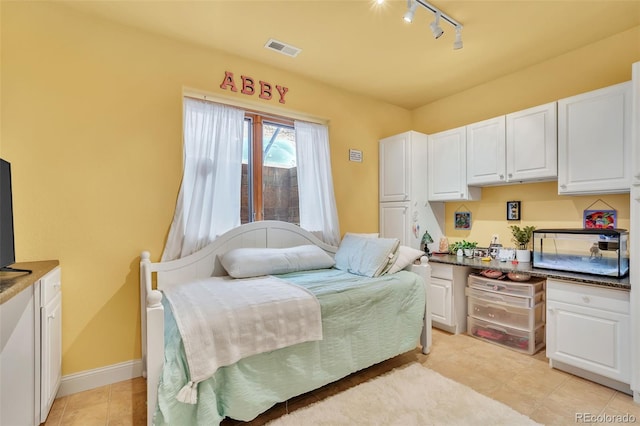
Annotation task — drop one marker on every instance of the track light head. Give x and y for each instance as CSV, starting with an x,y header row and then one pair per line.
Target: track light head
x,y
411,10
436,30
458,43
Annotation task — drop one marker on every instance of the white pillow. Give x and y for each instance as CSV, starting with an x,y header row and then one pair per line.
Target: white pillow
x,y
406,256
369,235
254,262
365,255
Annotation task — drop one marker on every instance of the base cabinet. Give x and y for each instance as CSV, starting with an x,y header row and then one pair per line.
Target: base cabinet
x,y
449,303
588,328
31,350
51,340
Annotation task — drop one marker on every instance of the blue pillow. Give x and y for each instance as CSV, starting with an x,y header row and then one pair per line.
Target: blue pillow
x,y
366,256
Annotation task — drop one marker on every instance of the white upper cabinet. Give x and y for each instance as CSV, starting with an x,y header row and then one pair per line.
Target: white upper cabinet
x,y
532,144
395,170
486,152
594,141
447,167
518,147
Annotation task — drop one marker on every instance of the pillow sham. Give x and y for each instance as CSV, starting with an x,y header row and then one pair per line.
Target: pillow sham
x,y
254,262
366,256
406,256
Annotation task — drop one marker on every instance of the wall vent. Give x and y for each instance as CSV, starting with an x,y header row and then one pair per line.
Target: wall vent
x,y
284,48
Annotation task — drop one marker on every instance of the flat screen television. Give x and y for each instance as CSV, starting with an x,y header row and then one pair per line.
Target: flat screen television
x,y
7,244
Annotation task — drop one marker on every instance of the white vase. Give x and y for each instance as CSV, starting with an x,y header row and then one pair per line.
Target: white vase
x,y
468,252
523,256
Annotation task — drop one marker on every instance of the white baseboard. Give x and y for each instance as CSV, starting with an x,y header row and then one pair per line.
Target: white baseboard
x,y
90,379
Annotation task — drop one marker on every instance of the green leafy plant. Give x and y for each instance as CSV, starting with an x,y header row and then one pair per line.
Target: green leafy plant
x,y
522,236
453,248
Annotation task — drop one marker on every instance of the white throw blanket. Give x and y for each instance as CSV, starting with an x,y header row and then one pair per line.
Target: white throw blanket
x,y
222,320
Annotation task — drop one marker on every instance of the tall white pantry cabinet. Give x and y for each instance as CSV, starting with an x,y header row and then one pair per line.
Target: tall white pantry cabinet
x,y
405,212
634,242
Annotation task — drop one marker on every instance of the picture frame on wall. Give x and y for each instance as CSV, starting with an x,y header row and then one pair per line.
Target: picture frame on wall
x,y
462,220
601,219
514,210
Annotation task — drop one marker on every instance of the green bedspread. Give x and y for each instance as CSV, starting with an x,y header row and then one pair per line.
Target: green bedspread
x,y
364,321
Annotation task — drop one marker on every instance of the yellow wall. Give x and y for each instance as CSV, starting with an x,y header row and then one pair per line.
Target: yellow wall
x,y
91,122
591,67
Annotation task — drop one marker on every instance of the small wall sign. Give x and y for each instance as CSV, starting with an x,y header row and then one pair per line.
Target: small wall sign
x,y
355,155
265,90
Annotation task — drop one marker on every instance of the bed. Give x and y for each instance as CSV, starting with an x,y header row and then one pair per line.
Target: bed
x,y
244,389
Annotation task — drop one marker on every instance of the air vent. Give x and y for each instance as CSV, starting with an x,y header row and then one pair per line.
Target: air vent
x,y
284,48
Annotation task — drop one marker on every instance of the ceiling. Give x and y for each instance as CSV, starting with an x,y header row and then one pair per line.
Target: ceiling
x,y
363,47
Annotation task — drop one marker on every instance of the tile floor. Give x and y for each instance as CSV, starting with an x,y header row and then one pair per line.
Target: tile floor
x,y
526,383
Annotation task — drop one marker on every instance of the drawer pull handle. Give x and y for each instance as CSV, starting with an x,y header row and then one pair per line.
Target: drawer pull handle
x,y
586,299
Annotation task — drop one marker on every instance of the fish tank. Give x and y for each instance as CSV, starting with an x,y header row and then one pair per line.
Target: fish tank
x,y
587,251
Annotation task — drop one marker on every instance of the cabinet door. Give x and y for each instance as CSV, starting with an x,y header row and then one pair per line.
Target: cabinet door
x,y
486,152
448,167
592,339
594,141
51,329
395,222
532,144
440,294
395,181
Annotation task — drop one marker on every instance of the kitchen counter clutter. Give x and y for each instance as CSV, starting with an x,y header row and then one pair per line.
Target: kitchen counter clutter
x,y
477,263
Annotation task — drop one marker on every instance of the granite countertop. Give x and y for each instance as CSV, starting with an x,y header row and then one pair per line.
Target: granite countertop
x,y
12,283
477,263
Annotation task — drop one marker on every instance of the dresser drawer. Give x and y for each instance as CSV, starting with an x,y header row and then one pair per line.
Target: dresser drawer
x,y
505,299
528,289
528,342
606,298
511,316
441,271
50,285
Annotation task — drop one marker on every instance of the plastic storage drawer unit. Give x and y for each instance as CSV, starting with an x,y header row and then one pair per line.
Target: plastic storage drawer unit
x,y
505,299
528,342
511,316
527,289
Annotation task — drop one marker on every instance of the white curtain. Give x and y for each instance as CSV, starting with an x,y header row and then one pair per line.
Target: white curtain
x,y
209,199
318,211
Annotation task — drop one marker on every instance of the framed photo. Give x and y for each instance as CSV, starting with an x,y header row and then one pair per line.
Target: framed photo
x,y
513,210
603,219
462,220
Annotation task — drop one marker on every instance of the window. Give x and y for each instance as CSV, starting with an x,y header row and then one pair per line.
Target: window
x,y
269,170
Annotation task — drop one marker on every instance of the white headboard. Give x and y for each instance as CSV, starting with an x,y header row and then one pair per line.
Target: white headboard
x,y
205,263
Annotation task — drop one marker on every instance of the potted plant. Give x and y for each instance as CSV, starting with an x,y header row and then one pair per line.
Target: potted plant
x,y
466,247
522,238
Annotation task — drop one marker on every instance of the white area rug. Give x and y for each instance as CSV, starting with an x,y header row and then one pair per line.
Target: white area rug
x,y
412,395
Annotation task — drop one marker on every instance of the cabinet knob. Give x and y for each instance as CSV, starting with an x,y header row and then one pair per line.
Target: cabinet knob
x,y
563,186
52,316
501,177
510,175
586,299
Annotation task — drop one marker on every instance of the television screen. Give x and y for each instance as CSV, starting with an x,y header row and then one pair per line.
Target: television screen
x,y
7,248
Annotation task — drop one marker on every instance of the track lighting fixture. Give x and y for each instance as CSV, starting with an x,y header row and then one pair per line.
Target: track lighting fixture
x,y
412,5
458,43
436,29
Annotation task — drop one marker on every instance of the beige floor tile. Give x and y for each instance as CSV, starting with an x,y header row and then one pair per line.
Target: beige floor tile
x,y
88,398
95,414
525,383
